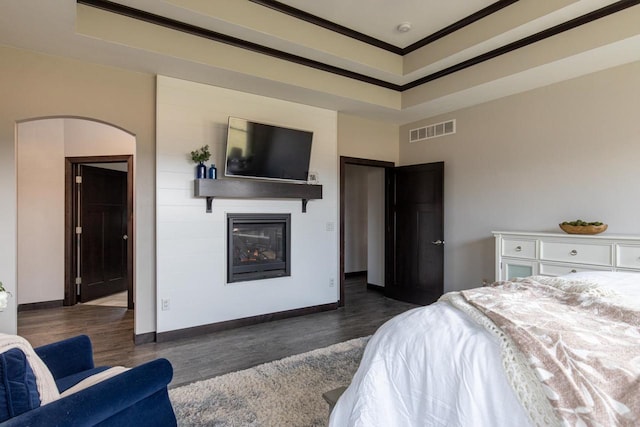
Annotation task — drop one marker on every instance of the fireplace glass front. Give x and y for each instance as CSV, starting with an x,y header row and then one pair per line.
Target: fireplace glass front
x,y
258,246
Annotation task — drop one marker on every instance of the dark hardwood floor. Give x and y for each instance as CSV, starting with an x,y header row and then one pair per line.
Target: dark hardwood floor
x,y
205,356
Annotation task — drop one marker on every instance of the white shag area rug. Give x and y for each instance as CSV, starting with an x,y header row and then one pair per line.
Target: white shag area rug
x,y
287,392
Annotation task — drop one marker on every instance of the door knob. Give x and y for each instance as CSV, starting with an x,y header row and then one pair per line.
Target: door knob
x,y
438,242
125,237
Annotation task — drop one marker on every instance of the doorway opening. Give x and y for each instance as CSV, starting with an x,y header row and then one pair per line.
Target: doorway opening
x,y
413,230
364,220
45,275
98,224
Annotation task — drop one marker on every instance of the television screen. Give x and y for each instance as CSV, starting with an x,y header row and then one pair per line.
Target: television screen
x,y
258,150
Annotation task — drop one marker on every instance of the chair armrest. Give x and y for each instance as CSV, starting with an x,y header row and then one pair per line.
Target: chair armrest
x,y
101,401
67,357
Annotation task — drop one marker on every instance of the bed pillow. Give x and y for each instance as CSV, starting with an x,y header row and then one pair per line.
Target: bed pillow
x,y
18,389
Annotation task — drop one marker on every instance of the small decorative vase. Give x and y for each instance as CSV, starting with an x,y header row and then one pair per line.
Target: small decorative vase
x,y
213,171
201,171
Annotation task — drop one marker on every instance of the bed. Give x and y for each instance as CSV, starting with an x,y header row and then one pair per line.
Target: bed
x,y
535,351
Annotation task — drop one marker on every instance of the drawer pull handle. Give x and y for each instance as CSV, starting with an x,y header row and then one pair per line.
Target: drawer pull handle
x,y
574,271
518,249
573,252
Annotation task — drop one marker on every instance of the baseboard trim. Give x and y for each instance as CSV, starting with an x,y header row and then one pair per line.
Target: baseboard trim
x,y
376,288
355,274
40,305
144,338
237,323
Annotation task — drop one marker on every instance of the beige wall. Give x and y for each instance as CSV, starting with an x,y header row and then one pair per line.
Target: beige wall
x,y
42,146
355,218
367,139
364,212
40,157
35,85
529,161
375,226
91,138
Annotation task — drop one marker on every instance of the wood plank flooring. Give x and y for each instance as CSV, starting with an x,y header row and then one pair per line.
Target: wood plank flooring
x,y
115,300
205,356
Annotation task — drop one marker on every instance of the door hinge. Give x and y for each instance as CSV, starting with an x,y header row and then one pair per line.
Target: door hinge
x,y
79,179
78,283
78,230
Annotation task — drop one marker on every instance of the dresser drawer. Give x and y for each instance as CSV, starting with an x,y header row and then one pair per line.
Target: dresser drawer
x,y
561,270
524,253
576,252
628,256
519,248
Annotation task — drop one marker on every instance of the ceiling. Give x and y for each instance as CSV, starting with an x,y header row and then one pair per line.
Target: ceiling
x,y
346,55
380,18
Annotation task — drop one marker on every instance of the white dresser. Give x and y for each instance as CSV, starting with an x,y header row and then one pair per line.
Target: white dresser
x,y
521,254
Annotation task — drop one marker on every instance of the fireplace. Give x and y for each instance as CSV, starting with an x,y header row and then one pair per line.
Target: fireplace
x,y
258,246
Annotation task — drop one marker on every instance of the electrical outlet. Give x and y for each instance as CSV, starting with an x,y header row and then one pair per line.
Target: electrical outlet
x,y
165,304
332,283
330,226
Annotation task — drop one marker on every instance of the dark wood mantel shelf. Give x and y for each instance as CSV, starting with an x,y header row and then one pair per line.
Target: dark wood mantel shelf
x,y
253,189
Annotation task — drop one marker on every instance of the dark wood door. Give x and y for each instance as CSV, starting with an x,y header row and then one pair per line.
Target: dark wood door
x,y
103,245
417,266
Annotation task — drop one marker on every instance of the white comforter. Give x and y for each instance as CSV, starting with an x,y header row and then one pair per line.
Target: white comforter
x,y
434,366
430,366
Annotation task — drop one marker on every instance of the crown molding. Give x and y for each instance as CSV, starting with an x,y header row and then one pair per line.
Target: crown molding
x,y
254,47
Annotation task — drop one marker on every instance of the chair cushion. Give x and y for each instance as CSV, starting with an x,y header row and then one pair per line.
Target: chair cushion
x,y
18,389
71,380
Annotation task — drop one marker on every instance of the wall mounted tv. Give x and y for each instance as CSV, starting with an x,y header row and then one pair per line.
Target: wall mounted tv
x,y
258,150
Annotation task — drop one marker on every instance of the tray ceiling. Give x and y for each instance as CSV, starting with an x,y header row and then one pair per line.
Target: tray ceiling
x,y
398,77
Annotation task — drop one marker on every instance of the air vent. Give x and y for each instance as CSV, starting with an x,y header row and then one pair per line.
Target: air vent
x,y
432,131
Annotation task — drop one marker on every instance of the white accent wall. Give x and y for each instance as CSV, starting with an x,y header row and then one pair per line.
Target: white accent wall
x,y
191,244
42,146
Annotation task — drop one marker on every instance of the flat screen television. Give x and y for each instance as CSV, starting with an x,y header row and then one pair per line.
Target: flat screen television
x,y
259,150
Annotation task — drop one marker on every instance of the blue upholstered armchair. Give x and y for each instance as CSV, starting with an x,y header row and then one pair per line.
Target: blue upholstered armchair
x,y
137,397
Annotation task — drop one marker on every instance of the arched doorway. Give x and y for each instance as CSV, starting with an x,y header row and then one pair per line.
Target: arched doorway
x,y
45,148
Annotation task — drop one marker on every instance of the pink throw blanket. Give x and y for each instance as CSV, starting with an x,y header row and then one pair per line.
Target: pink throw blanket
x,y
583,348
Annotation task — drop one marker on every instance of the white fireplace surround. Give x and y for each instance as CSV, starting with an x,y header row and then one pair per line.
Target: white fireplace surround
x,y
191,244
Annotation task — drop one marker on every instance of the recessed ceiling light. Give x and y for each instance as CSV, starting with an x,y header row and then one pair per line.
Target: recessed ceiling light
x,y
403,27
